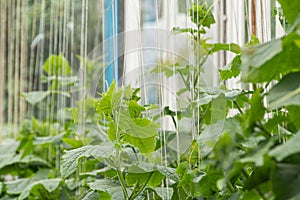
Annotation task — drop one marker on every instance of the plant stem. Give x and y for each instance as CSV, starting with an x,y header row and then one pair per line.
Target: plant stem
x,y
122,181
135,194
261,127
67,194
238,107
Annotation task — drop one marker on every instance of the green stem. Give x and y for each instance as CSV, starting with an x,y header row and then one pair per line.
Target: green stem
x,y
238,107
122,181
174,121
262,128
67,194
135,194
184,81
230,187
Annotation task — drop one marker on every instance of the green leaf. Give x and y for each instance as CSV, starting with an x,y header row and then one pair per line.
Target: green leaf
x,y
35,96
17,186
294,115
209,137
63,81
136,127
48,140
266,62
287,149
73,142
152,179
231,70
235,48
164,193
198,183
286,92
286,181
70,158
258,155
257,177
202,15
135,109
57,65
291,9
92,195
110,186
97,195
254,114
109,101
144,167
251,195
254,57
145,145
8,147
49,185
296,197
10,159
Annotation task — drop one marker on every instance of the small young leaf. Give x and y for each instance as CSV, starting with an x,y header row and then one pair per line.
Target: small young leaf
x,y
231,70
57,65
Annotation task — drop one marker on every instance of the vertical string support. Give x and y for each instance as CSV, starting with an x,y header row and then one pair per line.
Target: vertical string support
x,y
23,59
3,9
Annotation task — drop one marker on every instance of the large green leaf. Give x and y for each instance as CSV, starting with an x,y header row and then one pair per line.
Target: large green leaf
x,y
209,137
164,193
108,185
10,159
136,127
17,186
291,9
8,147
286,181
49,185
70,158
257,156
294,115
287,149
145,145
266,62
144,167
286,92
153,179
48,140
35,97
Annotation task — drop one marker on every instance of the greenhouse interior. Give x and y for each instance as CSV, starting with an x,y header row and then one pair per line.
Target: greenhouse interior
x,y
150,99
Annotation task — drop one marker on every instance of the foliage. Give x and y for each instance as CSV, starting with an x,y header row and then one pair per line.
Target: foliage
x,y
253,154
